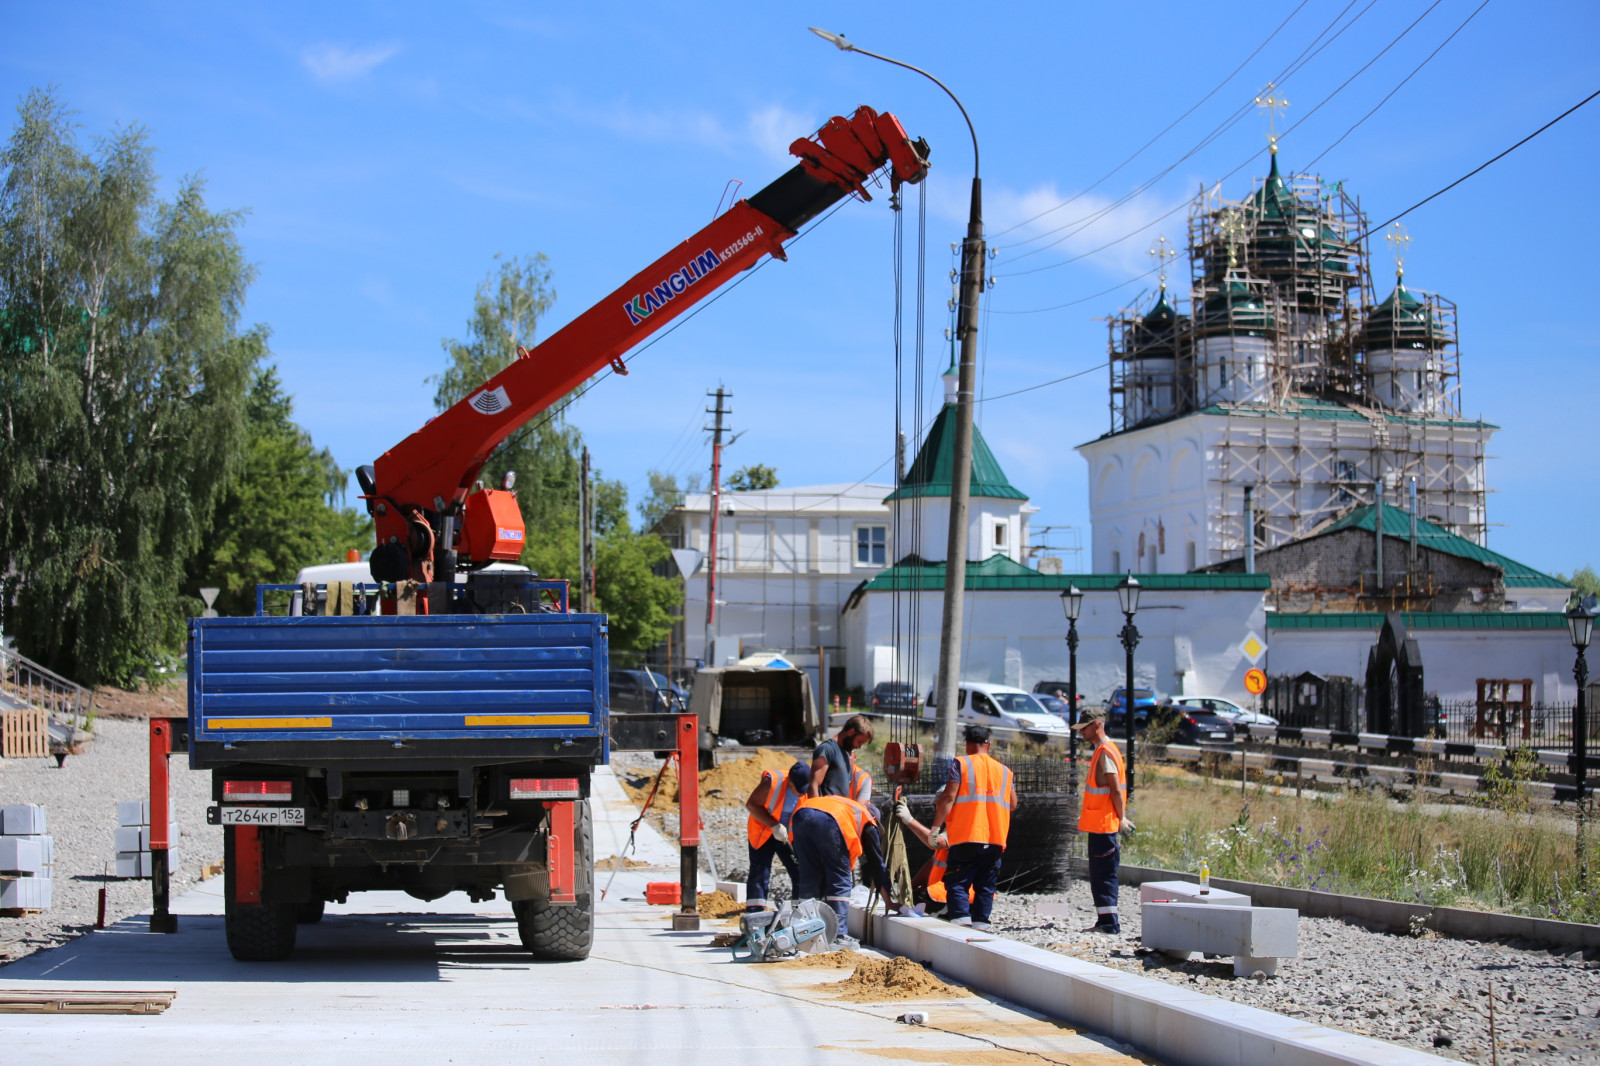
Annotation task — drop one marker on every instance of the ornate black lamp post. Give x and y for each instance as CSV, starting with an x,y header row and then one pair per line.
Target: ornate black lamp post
x,y
1580,625
1071,604
1128,597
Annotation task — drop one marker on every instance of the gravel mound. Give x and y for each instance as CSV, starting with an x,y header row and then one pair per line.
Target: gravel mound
x,y
1427,993
80,801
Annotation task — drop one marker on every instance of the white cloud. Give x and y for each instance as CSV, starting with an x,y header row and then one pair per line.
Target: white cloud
x,y
333,63
1082,228
774,128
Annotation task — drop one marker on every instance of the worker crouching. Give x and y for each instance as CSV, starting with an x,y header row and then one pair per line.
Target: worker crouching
x,y
772,806
830,834
972,818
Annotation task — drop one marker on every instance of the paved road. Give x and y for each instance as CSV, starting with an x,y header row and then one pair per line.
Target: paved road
x,y
388,980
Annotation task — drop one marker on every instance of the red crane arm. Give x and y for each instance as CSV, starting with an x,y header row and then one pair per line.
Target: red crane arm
x,y
427,480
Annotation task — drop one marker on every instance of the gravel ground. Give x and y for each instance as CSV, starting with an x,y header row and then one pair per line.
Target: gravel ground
x,y
1425,993
80,801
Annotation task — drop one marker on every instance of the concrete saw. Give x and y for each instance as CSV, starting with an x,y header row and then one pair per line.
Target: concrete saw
x,y
768,936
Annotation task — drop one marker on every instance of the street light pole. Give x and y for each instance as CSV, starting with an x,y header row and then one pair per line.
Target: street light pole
x,y
1072,603
955,583
1128,596
1580,625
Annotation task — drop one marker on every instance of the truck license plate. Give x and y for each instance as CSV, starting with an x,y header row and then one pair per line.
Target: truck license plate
x,y
263,816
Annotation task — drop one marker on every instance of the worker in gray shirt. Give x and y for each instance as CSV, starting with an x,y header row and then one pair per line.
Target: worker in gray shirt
x,y
831,762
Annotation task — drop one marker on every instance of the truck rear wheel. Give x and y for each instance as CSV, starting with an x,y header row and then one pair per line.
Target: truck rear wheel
x,y
260,932
256,932
309,912
564,934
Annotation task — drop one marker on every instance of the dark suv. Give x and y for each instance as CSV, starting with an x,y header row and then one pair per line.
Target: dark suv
x,y
645,692
896,696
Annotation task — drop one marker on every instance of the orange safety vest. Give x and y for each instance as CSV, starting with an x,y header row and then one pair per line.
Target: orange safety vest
x,y
860,784
982,811
851,816
1099,815
776,794
941,863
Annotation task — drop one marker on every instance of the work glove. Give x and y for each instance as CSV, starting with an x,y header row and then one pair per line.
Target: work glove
x,y
902,812
941,839
780,833
1127,826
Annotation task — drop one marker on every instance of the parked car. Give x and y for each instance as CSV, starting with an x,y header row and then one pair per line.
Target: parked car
x,y
1144,700
895,697
1230,710
645,692
1004,708
1056,706
1196,725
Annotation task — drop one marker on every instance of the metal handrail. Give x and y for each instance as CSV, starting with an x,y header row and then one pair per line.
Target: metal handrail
x,y
43,688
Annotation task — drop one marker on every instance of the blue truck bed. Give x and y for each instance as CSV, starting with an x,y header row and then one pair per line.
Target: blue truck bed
x,y
300,688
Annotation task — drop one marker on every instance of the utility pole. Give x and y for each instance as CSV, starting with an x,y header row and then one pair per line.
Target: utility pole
x,y
717,428
585,539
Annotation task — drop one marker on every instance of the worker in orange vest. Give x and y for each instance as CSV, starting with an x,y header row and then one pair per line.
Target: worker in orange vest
x,y
830,834
771,808
972,817
1105,796
860,783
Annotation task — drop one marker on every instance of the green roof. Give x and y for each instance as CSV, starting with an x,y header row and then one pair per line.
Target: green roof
x,y
1397,523
1421,620
1315,409
998,573
935,465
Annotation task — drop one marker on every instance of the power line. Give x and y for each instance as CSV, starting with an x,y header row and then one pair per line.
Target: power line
x,y
1047,384
1482,166
1398,87
1202,101
1310,52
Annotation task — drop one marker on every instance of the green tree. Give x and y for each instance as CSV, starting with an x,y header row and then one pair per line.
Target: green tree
x,y
665,494
282,512
1584,579
546,457
123,374
753,478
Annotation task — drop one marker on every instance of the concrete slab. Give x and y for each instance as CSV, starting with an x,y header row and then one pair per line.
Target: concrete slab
x,y
1255,937
1160,1019
387,979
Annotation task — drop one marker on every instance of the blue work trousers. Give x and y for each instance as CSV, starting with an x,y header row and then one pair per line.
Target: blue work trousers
x,y
975,866
824,861
759,881
1105,854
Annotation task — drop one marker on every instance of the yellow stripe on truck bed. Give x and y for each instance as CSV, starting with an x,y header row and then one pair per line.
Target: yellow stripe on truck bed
x,y
527,719
269,723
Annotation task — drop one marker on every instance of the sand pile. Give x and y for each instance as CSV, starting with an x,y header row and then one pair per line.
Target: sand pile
x,y
627,864
728,784
718,904
896,978
828,960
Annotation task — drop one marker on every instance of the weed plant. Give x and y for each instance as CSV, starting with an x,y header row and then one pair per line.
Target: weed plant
x,y
1361,843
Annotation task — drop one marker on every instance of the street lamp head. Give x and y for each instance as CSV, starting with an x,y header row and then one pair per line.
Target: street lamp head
x,y
1072,602
1580,620
1128,594
835,39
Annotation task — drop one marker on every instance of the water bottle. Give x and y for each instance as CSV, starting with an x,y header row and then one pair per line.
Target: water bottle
x,y
1205,878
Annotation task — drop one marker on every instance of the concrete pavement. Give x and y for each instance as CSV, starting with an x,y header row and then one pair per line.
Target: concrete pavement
x,y
389,980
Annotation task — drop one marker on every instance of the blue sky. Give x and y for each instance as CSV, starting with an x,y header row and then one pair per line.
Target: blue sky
x,y
387,152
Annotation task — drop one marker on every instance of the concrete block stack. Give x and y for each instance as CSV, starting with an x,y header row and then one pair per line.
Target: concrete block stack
x,y
27,859
133,838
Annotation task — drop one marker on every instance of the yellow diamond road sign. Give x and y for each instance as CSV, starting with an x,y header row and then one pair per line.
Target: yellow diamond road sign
x,y
1253,648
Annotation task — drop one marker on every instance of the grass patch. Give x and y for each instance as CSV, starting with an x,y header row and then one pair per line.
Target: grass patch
x,y
1362,844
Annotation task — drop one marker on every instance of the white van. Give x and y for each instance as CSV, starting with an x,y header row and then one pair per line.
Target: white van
x,y
1002,708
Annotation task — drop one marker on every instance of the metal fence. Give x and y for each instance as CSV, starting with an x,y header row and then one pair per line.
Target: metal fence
x,y
1543,725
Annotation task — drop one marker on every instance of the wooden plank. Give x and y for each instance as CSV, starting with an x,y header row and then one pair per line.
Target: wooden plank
x,y
84,1001
24,734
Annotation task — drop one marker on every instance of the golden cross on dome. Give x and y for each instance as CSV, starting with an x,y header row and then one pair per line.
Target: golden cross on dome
x,y
1272,105
1231,224
1398,240
1161,255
